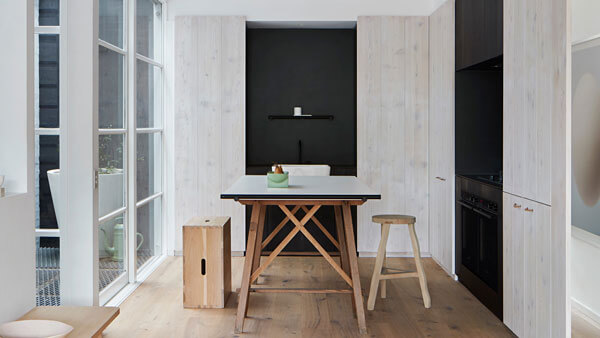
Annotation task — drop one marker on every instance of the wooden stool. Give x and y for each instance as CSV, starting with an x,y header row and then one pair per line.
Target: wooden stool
x,y
379,277
206,262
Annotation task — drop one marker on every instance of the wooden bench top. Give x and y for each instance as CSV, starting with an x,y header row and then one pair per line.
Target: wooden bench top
x,y
87,321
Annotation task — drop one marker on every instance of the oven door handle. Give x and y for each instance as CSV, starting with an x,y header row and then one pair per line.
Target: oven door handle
x,y
465,205
484,214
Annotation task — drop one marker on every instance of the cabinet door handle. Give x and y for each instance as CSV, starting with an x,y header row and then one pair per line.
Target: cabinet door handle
x,y
528,210
440,178
517,206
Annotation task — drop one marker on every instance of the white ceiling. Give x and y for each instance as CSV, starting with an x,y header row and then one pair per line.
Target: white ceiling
x,y
436,4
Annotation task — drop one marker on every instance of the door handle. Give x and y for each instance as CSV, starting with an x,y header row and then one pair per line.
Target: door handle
x,y
528,210
440,178
465,205
482,213
517,206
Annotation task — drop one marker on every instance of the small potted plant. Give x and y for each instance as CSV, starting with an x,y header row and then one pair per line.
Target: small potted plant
x,y
277,178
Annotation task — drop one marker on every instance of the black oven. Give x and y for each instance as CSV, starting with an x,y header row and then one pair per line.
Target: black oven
x,y
479,240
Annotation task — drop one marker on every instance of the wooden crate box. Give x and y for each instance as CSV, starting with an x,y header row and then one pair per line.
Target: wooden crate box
x,y
206,262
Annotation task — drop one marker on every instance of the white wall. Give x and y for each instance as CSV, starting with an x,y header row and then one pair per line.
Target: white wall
x,y
437,4
17,242
585,246
585,21
17,256
13,86
585,275
302,10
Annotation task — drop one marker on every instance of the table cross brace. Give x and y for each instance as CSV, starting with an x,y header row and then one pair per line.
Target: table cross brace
x,y
299,226
287,219
283,243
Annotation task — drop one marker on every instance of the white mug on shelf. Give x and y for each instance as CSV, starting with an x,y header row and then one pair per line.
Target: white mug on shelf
x,y
297,111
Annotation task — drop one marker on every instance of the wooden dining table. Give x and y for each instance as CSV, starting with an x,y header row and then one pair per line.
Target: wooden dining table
x,y
306,193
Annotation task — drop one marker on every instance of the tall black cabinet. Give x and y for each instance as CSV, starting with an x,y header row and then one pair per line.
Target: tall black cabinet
x,y
478,32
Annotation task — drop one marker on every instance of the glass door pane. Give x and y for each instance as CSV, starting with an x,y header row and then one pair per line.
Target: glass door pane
x,y
149,165
149,95
112,152
111,105
112,255
111,22
149,28
47,12
149,227
111,178
149,124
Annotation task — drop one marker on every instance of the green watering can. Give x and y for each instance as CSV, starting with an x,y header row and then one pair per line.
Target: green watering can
x,y
116,251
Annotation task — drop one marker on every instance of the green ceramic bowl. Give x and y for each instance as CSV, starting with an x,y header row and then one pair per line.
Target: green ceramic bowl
x,y
277,180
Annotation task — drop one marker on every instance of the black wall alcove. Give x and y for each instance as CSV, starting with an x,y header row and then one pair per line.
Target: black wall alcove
x,y
479,122
316,70
311,68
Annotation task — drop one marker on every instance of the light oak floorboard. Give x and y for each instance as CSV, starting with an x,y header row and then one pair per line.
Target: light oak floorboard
x,y
581,328
155,309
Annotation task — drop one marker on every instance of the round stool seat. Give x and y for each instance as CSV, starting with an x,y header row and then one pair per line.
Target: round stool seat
x,y
394,219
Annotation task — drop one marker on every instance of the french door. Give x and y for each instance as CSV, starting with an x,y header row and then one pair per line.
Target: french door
x,y
130,141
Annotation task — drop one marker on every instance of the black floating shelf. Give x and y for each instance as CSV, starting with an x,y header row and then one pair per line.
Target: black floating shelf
x,y
303,117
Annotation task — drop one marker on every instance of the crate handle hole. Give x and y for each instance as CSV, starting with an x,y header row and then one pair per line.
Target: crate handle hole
x,y
203,266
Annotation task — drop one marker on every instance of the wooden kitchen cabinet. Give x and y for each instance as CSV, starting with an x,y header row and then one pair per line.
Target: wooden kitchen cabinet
x,y
527,142
529,90
441,221
441,135
527,267
392,125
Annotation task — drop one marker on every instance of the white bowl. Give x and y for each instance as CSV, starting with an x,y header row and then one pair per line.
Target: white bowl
x,y
35,329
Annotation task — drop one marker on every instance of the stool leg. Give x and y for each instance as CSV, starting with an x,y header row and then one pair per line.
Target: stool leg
x,y
420,271
382,283
378,264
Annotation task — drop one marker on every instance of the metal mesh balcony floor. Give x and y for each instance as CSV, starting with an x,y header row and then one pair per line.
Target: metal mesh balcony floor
x,y
48,274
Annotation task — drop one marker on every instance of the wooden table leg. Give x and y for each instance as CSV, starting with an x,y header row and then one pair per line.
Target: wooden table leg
x,y
339,224
245,288
382,283
259,238
351,248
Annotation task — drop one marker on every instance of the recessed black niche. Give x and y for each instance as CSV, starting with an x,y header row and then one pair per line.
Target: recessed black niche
x,y
316,70
311,68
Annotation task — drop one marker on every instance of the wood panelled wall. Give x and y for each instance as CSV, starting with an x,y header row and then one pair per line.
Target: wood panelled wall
x,y
210,82
441,135
537,178
392,125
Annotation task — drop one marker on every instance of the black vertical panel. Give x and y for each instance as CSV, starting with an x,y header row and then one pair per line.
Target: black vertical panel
x,y
478,31
311,68
314,69
478,121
